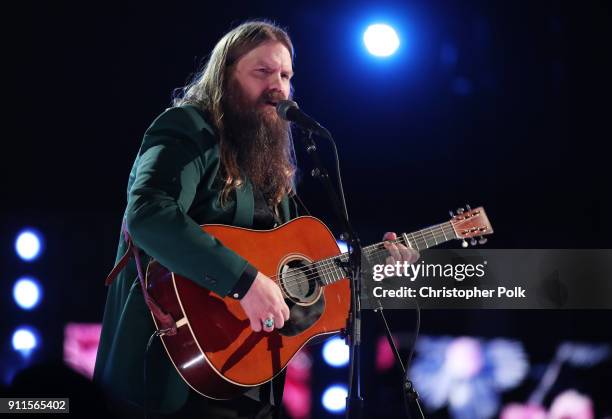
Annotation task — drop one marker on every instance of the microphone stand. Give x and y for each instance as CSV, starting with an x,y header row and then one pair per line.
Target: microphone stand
x,y
411,396
354,400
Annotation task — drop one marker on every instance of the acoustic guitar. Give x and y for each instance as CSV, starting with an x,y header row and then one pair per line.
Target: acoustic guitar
x,y
215,350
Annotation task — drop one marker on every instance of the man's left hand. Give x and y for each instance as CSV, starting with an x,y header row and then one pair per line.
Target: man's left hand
x,y
398,252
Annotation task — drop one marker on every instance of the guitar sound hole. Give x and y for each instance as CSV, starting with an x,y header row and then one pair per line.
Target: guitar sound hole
x,y
304,293
300,283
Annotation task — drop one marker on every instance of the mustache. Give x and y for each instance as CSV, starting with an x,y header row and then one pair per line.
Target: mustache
x,y
271,97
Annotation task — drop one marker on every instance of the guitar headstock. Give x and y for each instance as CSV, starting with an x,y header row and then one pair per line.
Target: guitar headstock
x,y
471,223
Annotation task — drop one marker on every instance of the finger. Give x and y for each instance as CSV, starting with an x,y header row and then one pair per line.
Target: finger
x,y
285,311
392,249
255,324
405,253
413,255
268,328
389,235
279,320
389,260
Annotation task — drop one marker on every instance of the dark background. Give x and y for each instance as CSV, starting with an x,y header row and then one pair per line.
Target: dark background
x,y
500,104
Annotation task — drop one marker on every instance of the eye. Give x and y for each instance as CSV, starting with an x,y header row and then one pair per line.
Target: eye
x,y
285,76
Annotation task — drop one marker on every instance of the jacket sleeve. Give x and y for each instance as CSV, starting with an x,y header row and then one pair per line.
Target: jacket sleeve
x,y
172,161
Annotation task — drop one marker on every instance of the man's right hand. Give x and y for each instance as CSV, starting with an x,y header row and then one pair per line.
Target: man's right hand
x,y
264,300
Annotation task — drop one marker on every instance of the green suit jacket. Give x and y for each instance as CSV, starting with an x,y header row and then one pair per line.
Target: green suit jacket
x,y
173,188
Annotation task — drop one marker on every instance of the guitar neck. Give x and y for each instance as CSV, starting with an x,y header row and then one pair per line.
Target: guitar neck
x,y
330,269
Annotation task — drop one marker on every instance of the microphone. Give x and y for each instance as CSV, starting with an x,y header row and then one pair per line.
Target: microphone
x,y
290,111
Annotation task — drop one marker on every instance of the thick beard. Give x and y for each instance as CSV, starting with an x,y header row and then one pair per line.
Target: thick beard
x,y
259,140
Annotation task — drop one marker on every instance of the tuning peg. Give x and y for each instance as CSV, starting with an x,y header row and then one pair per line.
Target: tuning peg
x,y
473,241
482,240
468,207
464,244
460,210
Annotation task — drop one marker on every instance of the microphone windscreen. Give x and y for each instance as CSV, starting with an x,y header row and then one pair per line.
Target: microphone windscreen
x,y
283,106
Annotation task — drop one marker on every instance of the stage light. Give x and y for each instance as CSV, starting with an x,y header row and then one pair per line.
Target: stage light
x,y
336,352
334,398
27,293
381,40
28,244
342,245
25,340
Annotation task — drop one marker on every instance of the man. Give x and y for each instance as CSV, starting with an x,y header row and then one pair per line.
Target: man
x,y
220,155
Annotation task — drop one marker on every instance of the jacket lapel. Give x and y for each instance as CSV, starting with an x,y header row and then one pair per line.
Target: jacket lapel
x,y
285,212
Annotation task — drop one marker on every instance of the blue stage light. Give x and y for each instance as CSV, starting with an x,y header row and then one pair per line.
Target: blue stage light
x,y
27,293
381,40
336,352
342,245
25,340
29,244
334,398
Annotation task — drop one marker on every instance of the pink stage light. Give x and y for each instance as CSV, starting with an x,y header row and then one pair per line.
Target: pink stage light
x,y
523,411
80,346
384,354
296,394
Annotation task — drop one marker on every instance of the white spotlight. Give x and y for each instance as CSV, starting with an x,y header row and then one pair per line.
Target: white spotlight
x,y
27,293
334,398
28,245
336,352
24,340
381,40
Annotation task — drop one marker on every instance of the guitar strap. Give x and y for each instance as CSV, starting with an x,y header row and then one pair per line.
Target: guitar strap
x,y
165,320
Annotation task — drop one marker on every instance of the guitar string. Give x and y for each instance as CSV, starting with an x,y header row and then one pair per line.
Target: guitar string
x,y
311,272
330,265
433,231
327,266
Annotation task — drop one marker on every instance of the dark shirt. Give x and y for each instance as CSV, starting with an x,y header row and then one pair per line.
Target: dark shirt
x,y
264,218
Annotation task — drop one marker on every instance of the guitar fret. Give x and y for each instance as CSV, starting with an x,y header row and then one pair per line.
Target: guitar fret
x,y
329,271
434,237
424,234
424,237
408,244
320,271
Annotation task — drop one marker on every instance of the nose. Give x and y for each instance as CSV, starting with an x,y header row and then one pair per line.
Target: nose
x,y
276,83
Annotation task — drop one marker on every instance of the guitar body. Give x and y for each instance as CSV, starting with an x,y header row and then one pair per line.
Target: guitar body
x,y
215,350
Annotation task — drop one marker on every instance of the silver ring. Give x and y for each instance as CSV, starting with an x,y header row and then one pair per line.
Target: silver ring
x,y
269,322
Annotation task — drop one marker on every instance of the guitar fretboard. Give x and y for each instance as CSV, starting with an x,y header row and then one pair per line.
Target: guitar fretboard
x,y
330,270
